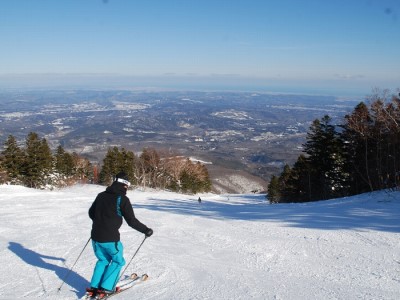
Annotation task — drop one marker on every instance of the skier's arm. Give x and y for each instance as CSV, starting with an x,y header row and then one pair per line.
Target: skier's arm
x,y
129,216
92,210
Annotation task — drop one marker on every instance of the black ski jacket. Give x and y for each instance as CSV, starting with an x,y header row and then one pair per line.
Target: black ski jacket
x,y
107,212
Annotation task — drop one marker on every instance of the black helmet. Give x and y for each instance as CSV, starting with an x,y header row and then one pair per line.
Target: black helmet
x,y
123,178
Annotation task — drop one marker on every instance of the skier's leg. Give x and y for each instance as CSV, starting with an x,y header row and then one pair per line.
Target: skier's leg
x,y
104,260
115,250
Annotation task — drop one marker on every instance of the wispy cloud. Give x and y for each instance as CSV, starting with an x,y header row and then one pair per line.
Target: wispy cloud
x,y
349,76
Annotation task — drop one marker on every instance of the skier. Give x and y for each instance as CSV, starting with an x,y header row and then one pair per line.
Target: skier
x,y
107,212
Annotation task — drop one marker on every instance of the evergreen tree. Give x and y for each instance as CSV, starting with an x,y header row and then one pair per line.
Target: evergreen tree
x,y
110,166
38,161
203,182
357,148
194,178
12,159
128,164
63,162
46,159
298,184
3,173
319,175
274,190
116,161
362,157
285,185
326,160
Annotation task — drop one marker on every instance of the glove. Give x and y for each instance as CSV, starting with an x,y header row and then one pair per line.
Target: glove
x,y
149,232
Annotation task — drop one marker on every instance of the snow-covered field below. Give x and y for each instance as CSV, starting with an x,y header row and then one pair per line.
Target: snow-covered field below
x,y
227,247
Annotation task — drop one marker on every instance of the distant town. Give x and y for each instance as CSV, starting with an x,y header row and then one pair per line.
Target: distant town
x,y
231,132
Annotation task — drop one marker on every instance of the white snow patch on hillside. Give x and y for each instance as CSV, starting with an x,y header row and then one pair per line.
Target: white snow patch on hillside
x,y
130,106
240,184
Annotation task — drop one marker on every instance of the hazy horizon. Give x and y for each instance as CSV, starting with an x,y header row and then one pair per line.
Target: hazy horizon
x,y
170,82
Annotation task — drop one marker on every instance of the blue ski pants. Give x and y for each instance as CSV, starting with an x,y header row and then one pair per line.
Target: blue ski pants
x,y
110,262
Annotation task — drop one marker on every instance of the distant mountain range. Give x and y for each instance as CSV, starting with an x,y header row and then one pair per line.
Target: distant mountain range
x,y
246,135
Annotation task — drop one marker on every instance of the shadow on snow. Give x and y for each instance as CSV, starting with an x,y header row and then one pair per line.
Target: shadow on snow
x,y
35,259
362,213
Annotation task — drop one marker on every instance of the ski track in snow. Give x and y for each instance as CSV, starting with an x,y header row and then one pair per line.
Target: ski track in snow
x,y
227,247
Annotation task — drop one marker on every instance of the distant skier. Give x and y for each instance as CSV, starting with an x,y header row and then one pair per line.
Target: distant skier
x,y
107,212
199,200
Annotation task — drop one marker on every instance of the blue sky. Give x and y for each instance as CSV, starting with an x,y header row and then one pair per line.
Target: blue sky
x,y
341,46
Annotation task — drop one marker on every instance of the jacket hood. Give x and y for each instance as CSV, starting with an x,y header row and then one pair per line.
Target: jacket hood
x,y
116,188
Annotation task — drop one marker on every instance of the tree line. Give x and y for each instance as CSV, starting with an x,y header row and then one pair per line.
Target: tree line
x,y
34,165
156,170
360,155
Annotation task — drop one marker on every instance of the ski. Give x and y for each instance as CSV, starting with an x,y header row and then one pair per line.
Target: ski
x,y
122,286
127,285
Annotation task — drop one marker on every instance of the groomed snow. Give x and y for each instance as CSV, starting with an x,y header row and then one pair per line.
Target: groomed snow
x,y
227,247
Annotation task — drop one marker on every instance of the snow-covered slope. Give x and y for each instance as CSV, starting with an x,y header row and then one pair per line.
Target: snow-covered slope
x,y
227,247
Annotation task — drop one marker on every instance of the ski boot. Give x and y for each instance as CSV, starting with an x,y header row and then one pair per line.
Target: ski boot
x,y
91,292
103,294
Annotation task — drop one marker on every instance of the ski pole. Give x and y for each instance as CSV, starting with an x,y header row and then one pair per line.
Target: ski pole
x,y
137,250
70,270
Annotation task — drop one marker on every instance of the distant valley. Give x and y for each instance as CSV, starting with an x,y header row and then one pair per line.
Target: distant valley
x,y
243,137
